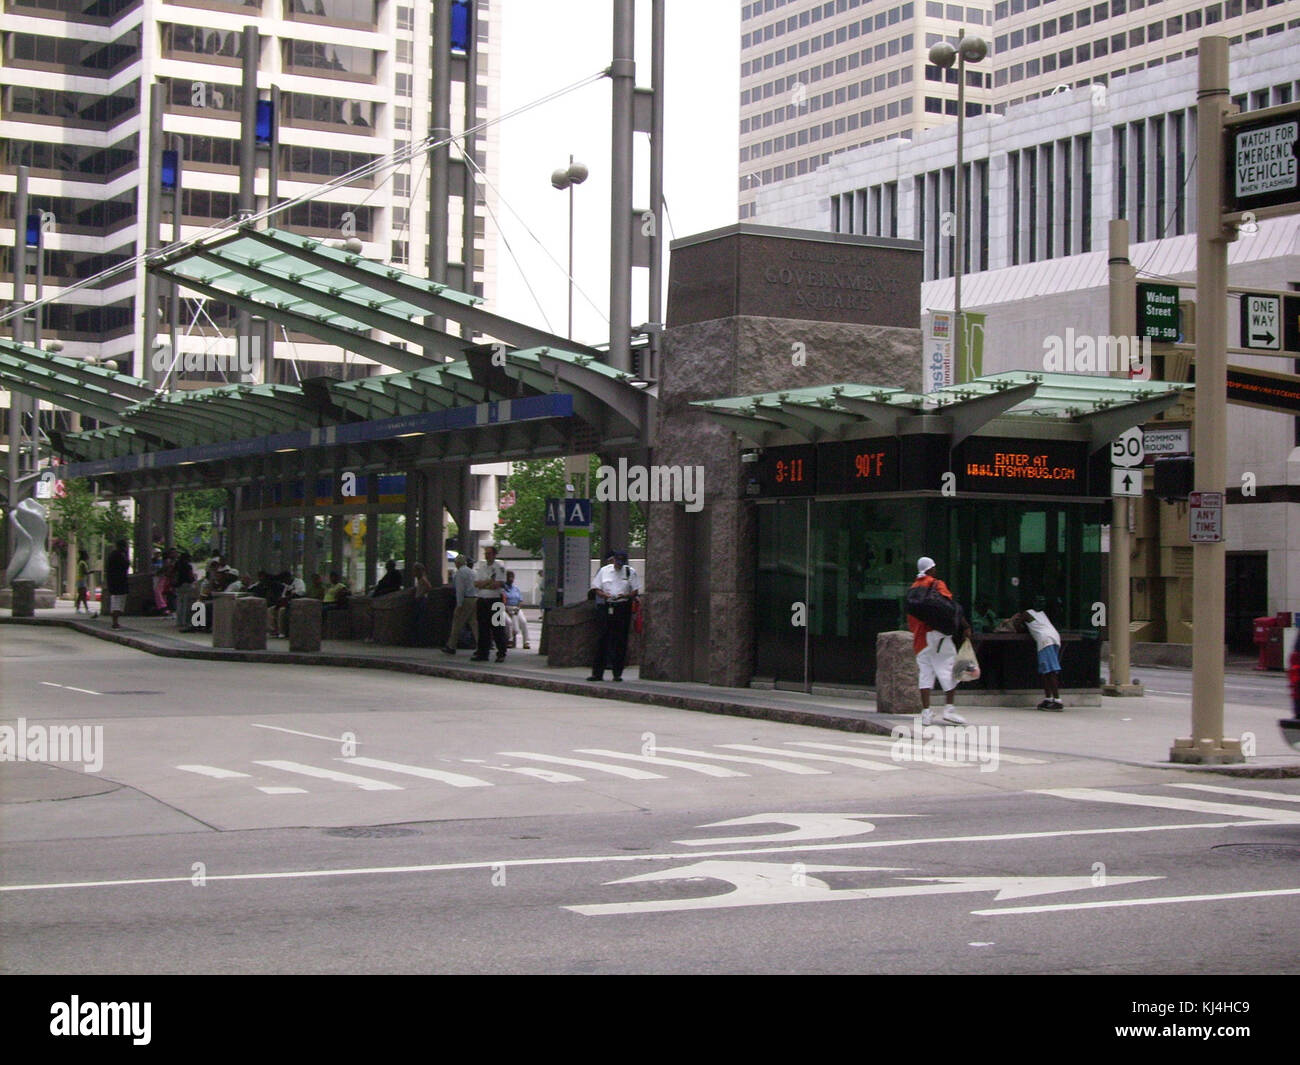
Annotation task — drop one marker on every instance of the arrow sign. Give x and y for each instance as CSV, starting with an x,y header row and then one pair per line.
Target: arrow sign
x,y
803,826
1261,322
1125,482
779,883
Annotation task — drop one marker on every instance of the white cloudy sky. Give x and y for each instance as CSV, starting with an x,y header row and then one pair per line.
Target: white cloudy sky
x,y
547,45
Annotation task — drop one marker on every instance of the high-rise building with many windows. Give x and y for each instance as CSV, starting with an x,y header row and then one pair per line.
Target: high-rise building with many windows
x,y
354,78
821,77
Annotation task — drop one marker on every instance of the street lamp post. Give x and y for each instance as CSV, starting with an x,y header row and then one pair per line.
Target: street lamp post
x,y
574,174
968,50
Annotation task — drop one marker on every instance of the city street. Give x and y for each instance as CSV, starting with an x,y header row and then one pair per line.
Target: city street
x,y
279,819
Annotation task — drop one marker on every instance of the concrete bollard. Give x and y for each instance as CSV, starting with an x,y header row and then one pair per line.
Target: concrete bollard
x,y
223,620
305,624
250,624
186,596
897,680
24,599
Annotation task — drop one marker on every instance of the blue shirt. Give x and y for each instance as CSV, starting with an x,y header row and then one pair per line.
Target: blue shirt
x,y
513,595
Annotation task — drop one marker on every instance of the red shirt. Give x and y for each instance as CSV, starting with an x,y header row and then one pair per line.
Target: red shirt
x,y
920,628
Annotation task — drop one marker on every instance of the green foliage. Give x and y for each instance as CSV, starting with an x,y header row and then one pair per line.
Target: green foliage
x,y
113,524
74,514
392,539
193,527
533,483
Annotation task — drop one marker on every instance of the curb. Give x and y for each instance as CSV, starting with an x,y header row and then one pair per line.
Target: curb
x,y
628,693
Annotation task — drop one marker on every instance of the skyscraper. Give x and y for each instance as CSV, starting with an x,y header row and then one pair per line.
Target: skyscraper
x,y
354,83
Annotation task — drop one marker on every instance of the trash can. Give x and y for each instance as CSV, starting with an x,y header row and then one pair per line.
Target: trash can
x,y
1268,637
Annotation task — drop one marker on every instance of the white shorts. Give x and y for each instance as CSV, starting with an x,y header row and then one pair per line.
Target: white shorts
x,y
936,661
116,604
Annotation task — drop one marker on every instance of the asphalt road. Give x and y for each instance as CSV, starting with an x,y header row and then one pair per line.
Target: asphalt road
x,y
267,819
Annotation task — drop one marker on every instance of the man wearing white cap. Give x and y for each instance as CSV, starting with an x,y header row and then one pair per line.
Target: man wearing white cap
x,y
935,652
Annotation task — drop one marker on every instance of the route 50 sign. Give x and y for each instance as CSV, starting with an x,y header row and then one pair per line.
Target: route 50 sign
x,y
1127,449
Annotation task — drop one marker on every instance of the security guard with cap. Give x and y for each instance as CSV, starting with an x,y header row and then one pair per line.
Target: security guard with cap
x,y
616,586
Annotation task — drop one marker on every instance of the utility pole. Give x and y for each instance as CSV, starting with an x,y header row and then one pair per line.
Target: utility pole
x,y
622,73
1123,310
1207,745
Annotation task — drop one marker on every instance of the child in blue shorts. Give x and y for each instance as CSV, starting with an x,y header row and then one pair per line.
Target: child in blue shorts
x,y
1048,640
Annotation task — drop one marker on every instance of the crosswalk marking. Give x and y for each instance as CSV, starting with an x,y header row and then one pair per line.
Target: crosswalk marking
x,y
551,776
694,767
211,771
861,763
282,791
364,783
1276,796
599,767
771,763
882,753
1174,802
456,780
1012,759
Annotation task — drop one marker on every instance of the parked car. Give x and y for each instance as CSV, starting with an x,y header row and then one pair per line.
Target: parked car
x,y
1291,725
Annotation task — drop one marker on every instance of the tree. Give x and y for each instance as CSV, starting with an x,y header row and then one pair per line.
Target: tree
x,y
193,525
533,483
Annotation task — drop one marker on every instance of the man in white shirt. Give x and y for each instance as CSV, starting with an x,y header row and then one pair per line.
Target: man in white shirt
x,y
616,586
466,604
489,579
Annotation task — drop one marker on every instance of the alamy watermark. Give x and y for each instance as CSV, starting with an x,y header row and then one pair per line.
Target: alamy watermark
x,y
53,743
946,744
626,483
246,360
1086,353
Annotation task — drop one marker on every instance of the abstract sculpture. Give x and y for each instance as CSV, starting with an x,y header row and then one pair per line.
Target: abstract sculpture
x,y
29,561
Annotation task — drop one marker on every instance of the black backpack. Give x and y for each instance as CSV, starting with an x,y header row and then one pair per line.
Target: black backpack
x,y
928,605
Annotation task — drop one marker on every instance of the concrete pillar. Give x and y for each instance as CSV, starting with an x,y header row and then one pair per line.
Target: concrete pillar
x,y
411,517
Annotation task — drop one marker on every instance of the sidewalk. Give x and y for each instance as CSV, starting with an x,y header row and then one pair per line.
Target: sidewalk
x,y
1132,731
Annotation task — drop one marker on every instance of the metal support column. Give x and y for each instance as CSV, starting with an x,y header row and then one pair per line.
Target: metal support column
x,y
248,157
622,73
150,312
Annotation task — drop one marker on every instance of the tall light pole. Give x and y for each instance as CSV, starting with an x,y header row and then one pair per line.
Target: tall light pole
x,y
968,50
574,174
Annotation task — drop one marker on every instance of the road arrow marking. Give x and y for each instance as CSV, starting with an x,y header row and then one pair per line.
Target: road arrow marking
x,y
775,884
804,826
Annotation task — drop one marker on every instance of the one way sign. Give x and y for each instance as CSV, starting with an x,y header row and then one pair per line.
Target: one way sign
x,y
1125,482
1270,322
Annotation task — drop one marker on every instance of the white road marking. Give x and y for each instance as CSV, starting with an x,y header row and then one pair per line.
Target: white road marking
x,y
211,771
599,767
551,776
364,783
771,763
456,780
69,687
694,767
773,884
306,874
859,762
1276,796
311,735
282,791
1160,901
880,752
1173,802
1013,759
802,826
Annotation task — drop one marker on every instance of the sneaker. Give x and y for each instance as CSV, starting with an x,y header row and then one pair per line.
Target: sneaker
x,y
618,676
953,718
595,678
1057,705
527,647
1046,704
927,717
1052,704
501,657
449,650
478,658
